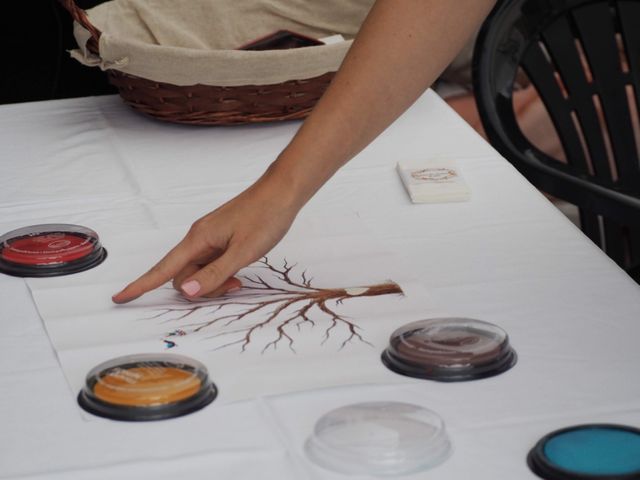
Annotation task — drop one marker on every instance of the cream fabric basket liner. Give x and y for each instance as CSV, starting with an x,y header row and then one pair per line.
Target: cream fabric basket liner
x,y
188,42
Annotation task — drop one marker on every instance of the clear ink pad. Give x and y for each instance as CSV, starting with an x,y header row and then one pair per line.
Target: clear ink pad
x,y
50,250
449,350
147,387
588,452
379,438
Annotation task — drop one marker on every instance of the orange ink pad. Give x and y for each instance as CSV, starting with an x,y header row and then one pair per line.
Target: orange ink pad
x,y
147,387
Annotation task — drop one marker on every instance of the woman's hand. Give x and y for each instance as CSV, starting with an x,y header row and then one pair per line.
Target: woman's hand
x,y
400,50
224,241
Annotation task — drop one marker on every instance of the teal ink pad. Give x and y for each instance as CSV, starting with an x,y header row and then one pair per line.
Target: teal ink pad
x,y
588,452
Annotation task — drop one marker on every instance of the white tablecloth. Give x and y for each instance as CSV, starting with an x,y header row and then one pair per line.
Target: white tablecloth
x,y
507,256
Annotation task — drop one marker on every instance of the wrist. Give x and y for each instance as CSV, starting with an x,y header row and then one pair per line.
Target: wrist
x,y
280,185
293,178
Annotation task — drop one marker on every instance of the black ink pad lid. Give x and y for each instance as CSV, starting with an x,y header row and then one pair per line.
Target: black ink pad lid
x,y
50,250
449,350
146,387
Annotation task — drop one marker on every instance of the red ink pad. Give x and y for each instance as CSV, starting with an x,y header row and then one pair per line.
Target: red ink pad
x,y
50,250
449,350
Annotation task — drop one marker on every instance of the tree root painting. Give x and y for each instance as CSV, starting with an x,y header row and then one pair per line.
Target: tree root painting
x,y
279,300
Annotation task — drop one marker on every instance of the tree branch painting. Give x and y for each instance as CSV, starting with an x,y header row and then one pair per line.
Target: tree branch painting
x,y
276,298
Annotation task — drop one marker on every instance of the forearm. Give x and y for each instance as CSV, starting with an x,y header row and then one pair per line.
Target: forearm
x,y
401,49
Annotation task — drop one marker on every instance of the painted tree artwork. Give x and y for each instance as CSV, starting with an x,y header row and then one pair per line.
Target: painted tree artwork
x,y
317,312
279,301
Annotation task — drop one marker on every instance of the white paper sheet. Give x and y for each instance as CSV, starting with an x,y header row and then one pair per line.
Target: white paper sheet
x,y
316,312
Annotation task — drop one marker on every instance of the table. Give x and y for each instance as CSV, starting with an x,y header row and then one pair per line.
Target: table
x,y
507,256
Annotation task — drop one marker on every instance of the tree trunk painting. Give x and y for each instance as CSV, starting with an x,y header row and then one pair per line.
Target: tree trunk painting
x,y
278,299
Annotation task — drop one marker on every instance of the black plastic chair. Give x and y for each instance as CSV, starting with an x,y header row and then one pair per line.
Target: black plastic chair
x,y
583,57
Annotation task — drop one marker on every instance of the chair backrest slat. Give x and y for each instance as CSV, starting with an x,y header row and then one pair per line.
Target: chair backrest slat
x,y
615,241
542,74
563,49
595,27
629,17
590,225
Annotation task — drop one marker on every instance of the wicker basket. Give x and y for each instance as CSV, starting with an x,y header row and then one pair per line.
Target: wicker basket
x,y
205,104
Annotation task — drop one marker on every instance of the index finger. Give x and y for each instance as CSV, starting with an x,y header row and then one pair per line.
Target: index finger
x,y
160,273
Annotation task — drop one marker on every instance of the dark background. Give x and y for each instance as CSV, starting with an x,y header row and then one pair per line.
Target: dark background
x,y
34,38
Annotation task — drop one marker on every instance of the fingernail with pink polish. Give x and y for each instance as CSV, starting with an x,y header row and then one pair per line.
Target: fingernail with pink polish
x,y
233,289
191,288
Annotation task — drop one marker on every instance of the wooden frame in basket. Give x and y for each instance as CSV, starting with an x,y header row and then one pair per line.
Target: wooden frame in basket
x,y
205,104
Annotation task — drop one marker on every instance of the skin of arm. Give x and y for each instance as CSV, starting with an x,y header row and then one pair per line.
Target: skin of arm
x,y
401,49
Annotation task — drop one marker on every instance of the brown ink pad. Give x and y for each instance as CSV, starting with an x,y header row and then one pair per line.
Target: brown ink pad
x,y
50,250
147,387
449,350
